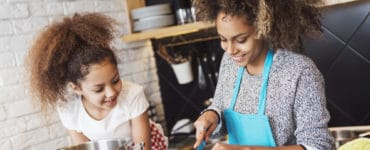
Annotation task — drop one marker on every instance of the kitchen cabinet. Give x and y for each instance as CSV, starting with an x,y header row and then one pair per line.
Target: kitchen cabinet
x,y
175,29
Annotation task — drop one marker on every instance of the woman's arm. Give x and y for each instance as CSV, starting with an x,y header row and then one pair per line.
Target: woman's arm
x,y
310,110
210,118
77,137
141,130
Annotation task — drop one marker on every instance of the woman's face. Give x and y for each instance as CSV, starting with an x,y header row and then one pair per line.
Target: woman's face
x,y
101,87
238,39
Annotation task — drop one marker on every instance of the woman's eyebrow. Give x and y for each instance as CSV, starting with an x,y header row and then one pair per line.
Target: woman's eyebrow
x,y
236,36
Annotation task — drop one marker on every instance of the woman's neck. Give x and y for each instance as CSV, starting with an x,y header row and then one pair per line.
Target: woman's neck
x,y
256,67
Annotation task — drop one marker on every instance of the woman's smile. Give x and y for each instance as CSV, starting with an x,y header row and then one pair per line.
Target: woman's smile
x,y
239,58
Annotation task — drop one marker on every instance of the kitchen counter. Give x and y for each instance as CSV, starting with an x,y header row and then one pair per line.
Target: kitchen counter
x,y
351,128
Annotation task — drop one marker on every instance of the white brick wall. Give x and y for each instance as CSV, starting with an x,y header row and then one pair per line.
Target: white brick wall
x,y
21,123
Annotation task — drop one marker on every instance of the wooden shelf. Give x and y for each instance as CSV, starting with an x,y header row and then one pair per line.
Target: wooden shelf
x,y
178,29
167,31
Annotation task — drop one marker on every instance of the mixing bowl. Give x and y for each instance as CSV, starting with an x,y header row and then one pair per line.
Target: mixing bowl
x,y
107,144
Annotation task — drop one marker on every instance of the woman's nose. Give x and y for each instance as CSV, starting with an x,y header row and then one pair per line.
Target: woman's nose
x,y
230,49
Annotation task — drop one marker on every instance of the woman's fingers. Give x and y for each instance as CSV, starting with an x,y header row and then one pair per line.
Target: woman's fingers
x,y
210,130
204,125
200,134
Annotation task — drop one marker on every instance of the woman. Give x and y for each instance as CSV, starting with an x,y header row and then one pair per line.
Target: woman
x,y
73,68
269,96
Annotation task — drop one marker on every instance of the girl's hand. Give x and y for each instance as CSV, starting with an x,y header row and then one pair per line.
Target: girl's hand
x,y
205,125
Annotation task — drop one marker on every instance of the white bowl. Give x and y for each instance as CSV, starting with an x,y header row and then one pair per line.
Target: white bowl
x,y
149,11
153,22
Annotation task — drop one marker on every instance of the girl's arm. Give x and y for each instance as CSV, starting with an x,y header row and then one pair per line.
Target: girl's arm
x,y
141,130
77,137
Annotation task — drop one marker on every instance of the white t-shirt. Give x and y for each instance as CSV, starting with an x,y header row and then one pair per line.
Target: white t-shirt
x,y
130,104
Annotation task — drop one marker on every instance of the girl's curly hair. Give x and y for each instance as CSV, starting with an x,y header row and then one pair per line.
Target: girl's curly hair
x,y
282,22
64,51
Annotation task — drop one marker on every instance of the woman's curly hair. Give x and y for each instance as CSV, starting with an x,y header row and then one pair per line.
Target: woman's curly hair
x,y
64,51
282,22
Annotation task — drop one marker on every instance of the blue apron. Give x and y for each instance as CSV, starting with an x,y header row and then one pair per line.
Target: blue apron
x,y
250,129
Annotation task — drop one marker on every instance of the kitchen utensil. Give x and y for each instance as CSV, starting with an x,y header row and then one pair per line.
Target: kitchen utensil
x,y
107,144
202,145
215,69
183,126
211,83
366,134
201,79
208,73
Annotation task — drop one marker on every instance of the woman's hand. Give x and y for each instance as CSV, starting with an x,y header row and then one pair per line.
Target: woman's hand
x,y
205,125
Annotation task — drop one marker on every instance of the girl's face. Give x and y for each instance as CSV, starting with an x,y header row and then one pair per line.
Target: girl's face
x,y
101,87
238,39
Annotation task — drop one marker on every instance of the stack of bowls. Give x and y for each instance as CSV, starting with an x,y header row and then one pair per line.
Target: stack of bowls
x,y
151,17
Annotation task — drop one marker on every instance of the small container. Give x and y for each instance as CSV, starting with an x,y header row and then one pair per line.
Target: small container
x,y
184,13
183,72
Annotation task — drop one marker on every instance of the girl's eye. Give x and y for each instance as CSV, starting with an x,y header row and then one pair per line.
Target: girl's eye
x,y
116,80
98,90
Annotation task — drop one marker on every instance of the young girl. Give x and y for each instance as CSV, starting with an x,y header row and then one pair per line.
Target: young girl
x,y
73,68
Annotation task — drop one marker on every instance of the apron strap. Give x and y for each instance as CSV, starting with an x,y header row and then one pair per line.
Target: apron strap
x,y
265,75
237,87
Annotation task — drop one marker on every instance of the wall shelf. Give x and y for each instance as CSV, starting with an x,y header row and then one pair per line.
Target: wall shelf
x,y
167,31
176,30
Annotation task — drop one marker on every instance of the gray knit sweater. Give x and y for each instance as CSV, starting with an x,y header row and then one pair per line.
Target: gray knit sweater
x,y
295,105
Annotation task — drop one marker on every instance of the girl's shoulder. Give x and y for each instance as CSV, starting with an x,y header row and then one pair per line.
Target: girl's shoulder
x,y
132,99
131,89
130,92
